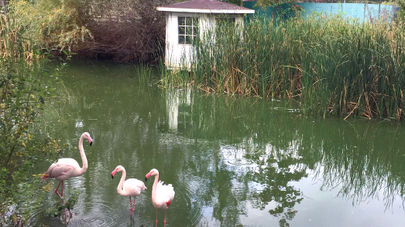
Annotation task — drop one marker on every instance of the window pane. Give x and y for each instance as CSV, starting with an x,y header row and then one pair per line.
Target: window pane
x,y
181,39
189,20
182,31
189,39
182,21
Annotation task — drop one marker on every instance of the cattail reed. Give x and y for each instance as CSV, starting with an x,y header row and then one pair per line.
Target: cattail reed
x,y
329,65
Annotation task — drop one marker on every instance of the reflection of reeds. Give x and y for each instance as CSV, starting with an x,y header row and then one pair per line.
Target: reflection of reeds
x,y
363,175
361,161
330,65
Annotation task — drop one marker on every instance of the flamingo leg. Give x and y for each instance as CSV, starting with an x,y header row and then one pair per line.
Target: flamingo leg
x,y
62,188
156,221
57,190
133,205
164,221
70,213
63,201
130,204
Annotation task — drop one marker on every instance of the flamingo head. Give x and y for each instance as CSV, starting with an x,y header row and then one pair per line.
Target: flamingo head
x,y
88,137
152,172
117,169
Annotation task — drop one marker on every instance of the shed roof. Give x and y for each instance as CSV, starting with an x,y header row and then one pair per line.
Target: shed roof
x,y
205,6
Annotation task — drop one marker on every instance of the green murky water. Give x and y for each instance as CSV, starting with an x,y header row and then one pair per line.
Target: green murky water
x,y
232,161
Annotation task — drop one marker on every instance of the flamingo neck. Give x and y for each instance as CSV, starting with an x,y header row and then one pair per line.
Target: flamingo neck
x,y
155,184
120,188
82,155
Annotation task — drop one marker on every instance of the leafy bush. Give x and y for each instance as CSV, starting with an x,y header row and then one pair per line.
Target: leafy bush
x,y
22,141
52,25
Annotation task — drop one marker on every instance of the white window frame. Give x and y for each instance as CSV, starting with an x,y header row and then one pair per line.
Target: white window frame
x,y
188,29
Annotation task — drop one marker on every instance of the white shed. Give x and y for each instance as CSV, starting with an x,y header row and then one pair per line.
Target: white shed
x,y
189,19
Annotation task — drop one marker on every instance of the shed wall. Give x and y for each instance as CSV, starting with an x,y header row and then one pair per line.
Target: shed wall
x,y
183,55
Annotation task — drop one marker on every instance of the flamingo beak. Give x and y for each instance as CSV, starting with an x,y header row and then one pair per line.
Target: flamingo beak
x,y
91,143
113,173
147,176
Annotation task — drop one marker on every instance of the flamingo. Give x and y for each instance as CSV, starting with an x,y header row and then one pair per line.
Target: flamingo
x,y
162,195
68,167
130,187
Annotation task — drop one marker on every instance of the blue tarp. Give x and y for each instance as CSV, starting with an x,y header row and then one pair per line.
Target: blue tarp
x,y
359,11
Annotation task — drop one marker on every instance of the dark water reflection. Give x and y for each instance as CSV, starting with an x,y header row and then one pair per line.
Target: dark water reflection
x,y
232,161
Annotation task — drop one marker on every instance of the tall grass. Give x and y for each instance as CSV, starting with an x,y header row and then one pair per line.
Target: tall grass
x,y
330,66
13,41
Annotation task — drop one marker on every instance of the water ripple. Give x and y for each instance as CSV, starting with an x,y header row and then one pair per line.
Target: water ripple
x,y
98,213
187,195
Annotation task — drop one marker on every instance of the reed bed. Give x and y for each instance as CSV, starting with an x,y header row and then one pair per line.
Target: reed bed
x,y
14,44
330,66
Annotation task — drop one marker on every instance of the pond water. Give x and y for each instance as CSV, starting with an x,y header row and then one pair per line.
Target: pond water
x,y
232,161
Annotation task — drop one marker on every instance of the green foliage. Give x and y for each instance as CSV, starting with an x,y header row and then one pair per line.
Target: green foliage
x,y
23,143
268,3
51,24
21,99
236,2
61,209
401,12
13,44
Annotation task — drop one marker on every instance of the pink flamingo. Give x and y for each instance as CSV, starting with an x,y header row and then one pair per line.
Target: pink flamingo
x,y
68,167
130,187
162,195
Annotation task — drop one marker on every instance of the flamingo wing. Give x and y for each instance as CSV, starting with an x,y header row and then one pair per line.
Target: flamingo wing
x,y
133,187
164,194
63,169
